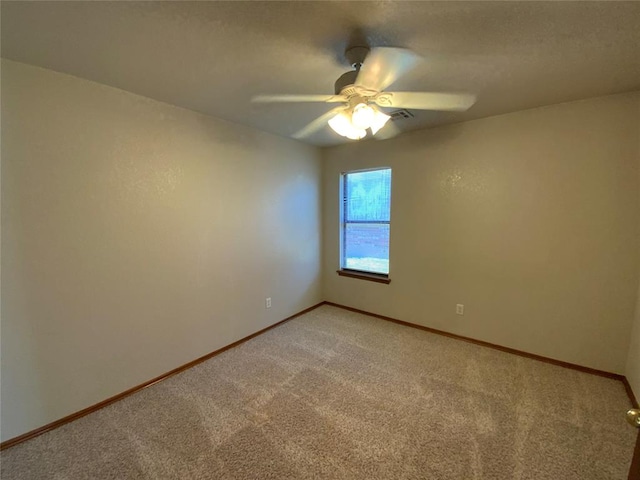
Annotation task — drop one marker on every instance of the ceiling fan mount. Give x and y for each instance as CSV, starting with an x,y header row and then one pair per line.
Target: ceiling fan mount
x,y
356,55
362,90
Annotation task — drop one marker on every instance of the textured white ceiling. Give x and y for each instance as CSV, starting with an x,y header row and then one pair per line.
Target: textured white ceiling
x,y
212,57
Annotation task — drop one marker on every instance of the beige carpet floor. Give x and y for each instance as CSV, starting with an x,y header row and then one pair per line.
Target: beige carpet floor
x,y
338,395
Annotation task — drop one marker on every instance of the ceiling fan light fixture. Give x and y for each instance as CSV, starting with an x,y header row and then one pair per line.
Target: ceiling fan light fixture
x,y
362,90
341,124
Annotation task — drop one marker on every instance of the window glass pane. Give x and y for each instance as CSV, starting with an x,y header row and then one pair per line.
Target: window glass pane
x,y
368,195
366,247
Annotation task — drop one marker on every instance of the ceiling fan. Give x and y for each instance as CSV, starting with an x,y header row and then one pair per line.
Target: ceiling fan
x,y
361,91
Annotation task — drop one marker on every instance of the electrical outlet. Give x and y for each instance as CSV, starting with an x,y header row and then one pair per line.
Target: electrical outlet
x,y
460,309
267,302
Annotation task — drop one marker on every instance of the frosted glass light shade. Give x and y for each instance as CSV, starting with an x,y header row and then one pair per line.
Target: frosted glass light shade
x,y
380,120
363,116
341,124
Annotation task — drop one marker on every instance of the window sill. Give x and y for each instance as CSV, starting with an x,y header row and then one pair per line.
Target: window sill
x,y
372,277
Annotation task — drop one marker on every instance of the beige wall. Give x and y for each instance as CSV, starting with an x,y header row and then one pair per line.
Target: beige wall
x,y
528,219
138,236
633,361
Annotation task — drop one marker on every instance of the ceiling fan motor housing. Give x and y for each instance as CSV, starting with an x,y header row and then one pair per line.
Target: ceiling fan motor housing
x,y
345,80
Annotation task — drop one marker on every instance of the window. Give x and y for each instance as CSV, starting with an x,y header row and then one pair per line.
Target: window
x,y
365,222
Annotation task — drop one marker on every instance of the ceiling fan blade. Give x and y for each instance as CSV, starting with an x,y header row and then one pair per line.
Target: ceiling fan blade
x,y
318,123
426,100
384,65
298,98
